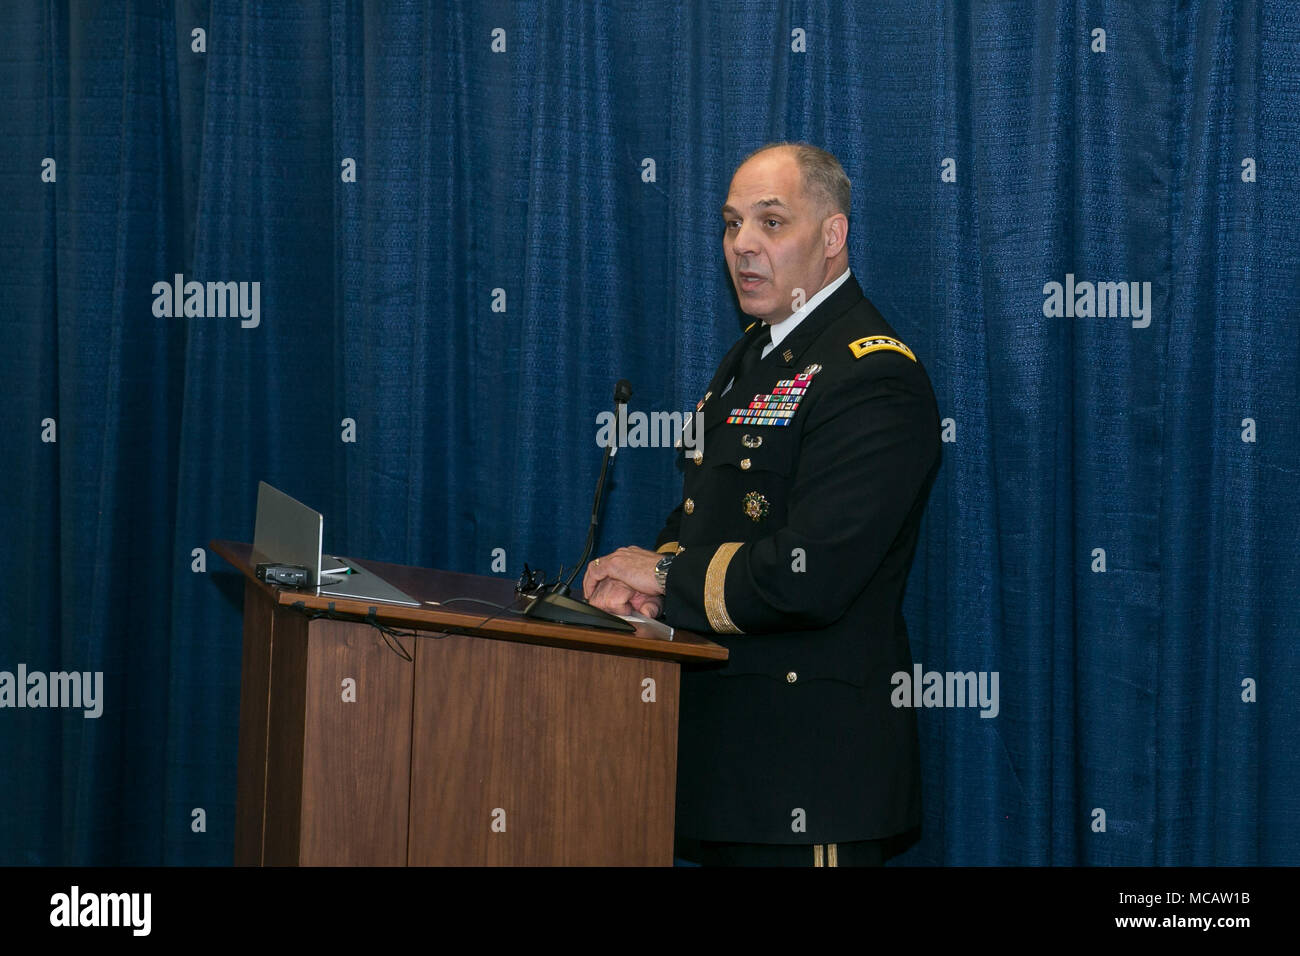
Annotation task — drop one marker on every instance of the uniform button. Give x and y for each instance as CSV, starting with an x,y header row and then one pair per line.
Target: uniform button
x,y
698,457
689,506
744,464
791,677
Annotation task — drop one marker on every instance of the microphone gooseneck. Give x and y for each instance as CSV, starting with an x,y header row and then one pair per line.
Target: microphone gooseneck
x,y
557,605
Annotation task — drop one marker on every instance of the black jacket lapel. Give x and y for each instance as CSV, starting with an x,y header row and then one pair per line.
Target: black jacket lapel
x,y
719,406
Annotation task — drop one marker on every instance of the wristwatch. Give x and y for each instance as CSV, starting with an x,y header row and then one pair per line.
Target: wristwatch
x,y
661,570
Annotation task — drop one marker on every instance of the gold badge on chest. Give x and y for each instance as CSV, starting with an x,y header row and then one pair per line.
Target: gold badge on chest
x,y
756,506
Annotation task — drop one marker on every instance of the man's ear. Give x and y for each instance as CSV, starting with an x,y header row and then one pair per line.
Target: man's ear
x,y
835,233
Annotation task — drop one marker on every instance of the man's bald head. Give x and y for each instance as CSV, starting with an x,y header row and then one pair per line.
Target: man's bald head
x,y
824,179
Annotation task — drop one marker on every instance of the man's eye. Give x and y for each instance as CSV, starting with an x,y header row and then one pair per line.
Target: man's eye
x,y
774,222
733,223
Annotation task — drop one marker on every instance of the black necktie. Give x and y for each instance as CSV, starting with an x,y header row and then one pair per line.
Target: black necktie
x,y
754,352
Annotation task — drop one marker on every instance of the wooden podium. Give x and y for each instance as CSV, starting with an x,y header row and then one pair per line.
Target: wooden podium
x,y
490,739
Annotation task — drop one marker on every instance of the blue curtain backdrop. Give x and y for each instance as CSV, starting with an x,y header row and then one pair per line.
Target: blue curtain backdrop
x,y
994,147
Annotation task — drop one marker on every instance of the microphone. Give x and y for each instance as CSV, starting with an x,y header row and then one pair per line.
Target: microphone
x,y
557,605
622,392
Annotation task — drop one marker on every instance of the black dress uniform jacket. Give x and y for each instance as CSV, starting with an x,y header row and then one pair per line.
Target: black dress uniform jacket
x,y
795,544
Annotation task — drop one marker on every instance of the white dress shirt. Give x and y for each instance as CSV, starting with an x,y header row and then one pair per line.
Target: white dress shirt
x,y
781,329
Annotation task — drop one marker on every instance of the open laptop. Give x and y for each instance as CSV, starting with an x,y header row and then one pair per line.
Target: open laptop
x,y
288,532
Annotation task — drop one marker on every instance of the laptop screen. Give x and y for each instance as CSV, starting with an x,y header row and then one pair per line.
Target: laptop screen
x,y
287,532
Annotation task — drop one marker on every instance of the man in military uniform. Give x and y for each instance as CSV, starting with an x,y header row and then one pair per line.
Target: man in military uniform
x,y
792,544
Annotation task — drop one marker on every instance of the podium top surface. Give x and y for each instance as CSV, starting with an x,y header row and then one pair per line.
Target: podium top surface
x,y
438,611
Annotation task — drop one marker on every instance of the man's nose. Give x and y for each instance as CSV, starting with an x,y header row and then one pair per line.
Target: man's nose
x,y
746,241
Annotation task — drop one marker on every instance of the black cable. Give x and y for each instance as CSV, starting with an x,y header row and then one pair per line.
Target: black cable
x,y
500,608
389,633
371,618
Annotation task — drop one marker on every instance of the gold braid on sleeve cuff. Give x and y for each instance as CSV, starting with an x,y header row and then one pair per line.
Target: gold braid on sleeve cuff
x,y
669,547
715,589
